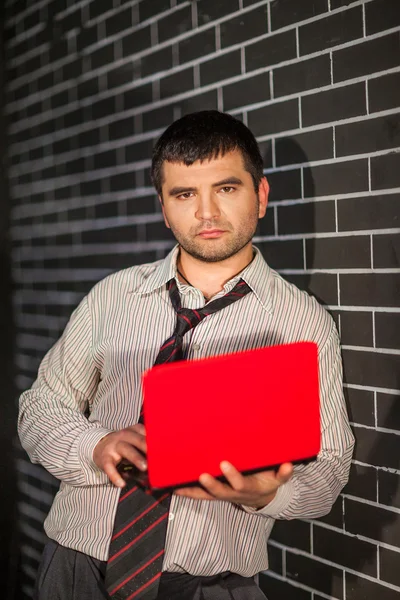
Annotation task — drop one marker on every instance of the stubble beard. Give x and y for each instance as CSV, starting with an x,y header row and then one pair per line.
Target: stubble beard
x,y
217,250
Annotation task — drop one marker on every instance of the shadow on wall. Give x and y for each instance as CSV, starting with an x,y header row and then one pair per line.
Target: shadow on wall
x,y
8,488
302,218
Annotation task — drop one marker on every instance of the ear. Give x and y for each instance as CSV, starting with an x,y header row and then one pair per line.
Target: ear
x,y
163,211
263,193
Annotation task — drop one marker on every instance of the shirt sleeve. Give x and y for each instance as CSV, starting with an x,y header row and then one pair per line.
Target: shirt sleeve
x,y
52,424
315,486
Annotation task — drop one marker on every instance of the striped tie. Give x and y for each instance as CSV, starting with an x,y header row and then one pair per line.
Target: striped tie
x,y
137,544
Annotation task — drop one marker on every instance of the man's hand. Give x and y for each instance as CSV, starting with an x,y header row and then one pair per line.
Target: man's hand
x,y
255,490
128,444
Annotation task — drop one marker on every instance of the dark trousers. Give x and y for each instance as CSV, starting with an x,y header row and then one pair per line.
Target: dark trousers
x,y
65,574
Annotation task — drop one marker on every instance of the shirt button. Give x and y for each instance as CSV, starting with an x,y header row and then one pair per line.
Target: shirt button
x,y
171,516
196,347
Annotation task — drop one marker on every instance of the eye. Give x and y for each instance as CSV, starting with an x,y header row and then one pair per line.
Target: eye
x,y
227,189
185,196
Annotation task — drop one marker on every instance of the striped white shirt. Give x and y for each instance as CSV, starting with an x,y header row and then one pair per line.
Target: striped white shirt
x,y
95,367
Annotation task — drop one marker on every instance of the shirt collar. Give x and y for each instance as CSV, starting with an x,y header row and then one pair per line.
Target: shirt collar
x,y
257,275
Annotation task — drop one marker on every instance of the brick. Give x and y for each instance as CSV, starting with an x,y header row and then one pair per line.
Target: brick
x,y
285,185
387,329
368,212
385,171
70,21
277,588
158,118
388,411
275,559
389,488
138,96
175,24
87,36
336,178
367,57
139,206
335,515
382,15
370,289
138,151
206,101
304,147
122,181
246,91
333,105
331,31
120,129
389,566
160,60
362,482
158,231
356,328
371,368
104,160
103,108
302,76
295,534
386,250
346,550
314,574
109,235
275,118
120,76
370,135
209,10
106,210
306,217
89,87
134,42
103,56
358,588
197,46
150,9
177,83
373,522
271,50
118,22
220,68
97,9
384,92
59,99
286,12
89,188
341,3
338,253
244,27
266,226
283,254
266,152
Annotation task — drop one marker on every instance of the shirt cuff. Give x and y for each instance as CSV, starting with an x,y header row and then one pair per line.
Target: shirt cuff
x,y
87,442
283,498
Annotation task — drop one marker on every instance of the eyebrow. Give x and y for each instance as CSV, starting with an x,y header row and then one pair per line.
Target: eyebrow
x,y
176,191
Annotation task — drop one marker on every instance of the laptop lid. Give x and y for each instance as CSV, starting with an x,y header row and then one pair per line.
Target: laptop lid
x,y
256,409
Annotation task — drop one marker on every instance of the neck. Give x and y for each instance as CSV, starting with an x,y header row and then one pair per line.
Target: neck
x,y
210,277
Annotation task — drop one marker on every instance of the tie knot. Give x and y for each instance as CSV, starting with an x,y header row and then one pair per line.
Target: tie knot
x,y
187,319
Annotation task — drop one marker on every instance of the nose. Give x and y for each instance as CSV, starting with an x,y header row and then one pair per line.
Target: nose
x,y
207,207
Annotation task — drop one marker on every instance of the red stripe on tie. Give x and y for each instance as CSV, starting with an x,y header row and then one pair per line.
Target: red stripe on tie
x,y
187,320
137,538
148,509
149,562
152,580
197,314
166,345
171,355
128,493
235,294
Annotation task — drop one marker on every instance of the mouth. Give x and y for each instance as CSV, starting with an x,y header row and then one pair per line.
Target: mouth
x,y
211,233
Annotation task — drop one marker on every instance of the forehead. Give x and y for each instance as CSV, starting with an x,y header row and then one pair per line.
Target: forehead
x,y
230,163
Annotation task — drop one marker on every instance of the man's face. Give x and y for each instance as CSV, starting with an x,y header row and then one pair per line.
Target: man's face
x,y
212,207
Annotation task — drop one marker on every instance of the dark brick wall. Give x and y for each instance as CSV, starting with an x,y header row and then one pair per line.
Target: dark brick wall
x,y
91,85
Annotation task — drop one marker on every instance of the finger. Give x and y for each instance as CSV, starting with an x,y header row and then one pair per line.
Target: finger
x,y
139,428
133,438
233,476
216,488
125,450
284,473
112,473
196,493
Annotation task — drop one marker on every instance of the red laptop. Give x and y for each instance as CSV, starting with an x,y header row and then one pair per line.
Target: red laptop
x,y
256,409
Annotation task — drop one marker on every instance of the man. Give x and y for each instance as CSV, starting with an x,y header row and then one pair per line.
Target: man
x,y
82,418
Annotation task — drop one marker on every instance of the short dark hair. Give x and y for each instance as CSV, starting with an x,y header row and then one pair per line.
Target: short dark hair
x,y
206,135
